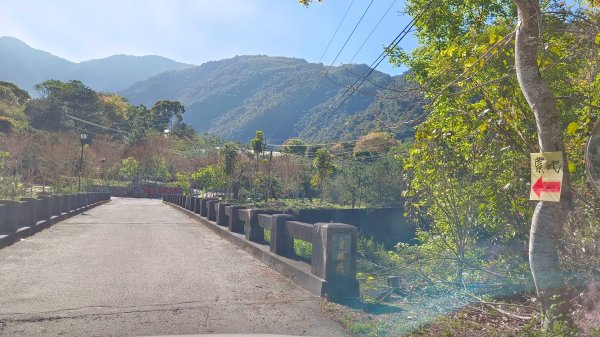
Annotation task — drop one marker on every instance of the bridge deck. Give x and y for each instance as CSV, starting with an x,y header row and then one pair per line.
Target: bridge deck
x,y
138,267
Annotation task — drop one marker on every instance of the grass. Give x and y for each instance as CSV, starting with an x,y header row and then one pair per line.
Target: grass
x,y
302,249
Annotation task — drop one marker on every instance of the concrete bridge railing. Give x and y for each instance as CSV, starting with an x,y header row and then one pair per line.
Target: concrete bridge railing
x,y
332,269
27,216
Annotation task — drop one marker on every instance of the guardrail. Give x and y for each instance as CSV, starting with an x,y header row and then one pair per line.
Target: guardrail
x,y
331,271
27,216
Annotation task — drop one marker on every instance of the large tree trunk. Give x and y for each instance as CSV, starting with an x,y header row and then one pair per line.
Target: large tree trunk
x,y
549,217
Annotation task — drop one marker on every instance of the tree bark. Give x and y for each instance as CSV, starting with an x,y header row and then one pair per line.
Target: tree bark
x,y
549,217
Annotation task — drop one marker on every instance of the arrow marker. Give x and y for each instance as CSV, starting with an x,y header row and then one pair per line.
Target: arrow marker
x,y
545,186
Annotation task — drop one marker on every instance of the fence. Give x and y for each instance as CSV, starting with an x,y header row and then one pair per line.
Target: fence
x,y
331,270
24,217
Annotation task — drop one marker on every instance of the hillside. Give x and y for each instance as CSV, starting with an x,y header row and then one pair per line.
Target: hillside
x,y
284,97
26,66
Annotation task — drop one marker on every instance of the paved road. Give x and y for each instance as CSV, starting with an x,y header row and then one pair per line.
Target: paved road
x,y
138,267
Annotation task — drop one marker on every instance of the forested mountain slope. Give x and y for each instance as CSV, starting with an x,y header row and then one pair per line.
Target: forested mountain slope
x,y
284,97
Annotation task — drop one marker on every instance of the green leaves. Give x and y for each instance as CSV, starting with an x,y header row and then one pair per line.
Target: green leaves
x,y
572,128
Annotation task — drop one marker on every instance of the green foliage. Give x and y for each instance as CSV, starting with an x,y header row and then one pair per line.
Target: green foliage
x,y
12,102
295,146
257,144
303,249
130,168
323,166
229,154
163,112
208,178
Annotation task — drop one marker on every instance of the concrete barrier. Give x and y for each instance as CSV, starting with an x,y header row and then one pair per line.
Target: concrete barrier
x,y
334,255
211,211
66,204
27,216
333,263
10,223
44,209
27,210
3,217
222,218
236,225
56,202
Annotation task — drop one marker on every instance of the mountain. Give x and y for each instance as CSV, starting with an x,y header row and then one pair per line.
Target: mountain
x,y
26,66
284,97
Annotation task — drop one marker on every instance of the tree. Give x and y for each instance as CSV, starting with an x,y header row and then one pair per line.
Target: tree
x,y
324,166
466,64
257,144
162,113
373,143
130,167
295,146
549,217
229,154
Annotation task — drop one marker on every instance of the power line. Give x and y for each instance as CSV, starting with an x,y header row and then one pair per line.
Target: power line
x,y
374,65
373,30
94,124
352,33
336,31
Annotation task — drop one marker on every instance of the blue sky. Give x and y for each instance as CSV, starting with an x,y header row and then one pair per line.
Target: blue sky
x,y
197,31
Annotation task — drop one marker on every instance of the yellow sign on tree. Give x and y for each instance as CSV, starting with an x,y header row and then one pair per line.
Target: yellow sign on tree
x,y
546,176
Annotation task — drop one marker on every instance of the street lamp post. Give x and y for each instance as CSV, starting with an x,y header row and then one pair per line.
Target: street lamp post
x,y
102,173
84,140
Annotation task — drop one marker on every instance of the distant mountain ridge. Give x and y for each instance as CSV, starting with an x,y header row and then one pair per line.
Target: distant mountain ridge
x,y
284,97
27,66
232,98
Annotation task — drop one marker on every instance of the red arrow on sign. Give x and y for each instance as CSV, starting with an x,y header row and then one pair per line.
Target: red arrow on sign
x,y
545,186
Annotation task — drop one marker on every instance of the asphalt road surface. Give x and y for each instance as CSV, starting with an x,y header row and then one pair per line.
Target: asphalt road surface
x,y
137,267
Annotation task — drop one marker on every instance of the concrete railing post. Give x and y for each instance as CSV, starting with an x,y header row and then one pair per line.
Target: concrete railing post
x,y
197,205
64,203
334,255
252,229
57,205
212,212
79,200
3,209
10,222
282,243
73,202
236,224
193,204
222,218
27,212
204,207
44,209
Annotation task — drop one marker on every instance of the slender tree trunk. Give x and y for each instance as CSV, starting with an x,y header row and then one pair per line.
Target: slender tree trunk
x,y
549,217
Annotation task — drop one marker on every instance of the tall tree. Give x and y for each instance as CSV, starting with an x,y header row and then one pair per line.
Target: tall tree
x,y
163,112
548,217
229,154
324,166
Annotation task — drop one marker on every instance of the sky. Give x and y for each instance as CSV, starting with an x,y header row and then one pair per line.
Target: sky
x,y
197,31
